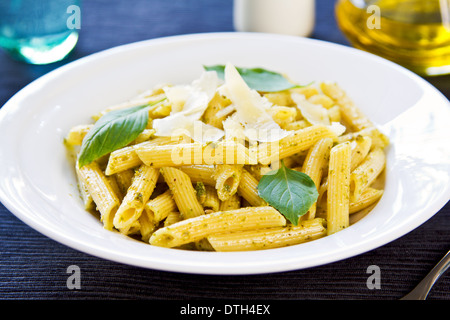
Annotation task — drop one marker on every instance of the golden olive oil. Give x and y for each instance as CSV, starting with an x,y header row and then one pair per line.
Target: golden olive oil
x,y
412,33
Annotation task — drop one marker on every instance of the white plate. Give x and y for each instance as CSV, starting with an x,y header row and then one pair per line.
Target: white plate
x,y
38,185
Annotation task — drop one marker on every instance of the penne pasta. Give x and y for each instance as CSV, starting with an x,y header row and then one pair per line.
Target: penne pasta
x,y
366,173
283,115
146,226
172,217
185,154
158,208
138,193
338,192
315,164
95,182
239,187
322,99
198,173
299,141
227,177
232,203
367,198
279,98
183,192
84,192
378,138
124,179
351,115
269,238
195,229
258,170
360,149
127,158
211,202
212,114
76,134
200,191
248,189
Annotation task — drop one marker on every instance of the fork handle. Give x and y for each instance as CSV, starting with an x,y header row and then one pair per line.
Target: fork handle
x,y
420,292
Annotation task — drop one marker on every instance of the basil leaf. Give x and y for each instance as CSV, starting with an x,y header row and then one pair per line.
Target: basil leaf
x,y
114,130
291,192
258,78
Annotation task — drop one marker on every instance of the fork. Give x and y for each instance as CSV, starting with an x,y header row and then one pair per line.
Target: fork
x,y
421,291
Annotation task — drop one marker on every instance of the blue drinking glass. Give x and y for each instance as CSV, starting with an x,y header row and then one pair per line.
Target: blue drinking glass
x,y
39,31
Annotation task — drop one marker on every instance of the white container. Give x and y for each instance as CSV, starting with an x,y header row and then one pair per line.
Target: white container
x,y
292,17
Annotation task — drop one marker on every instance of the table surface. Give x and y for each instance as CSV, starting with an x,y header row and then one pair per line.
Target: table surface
x,y
33,266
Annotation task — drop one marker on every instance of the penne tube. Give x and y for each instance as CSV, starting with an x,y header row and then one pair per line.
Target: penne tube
x,y
212,114
134,229
203,245
258,170
269,238
185,154
84,193
334,113
366,173
367,198
102,193
143,136
323,100
146,227
200,173
126,157
200,191
172,217
138,193
315,164
360,149
283,115
158,208
227,178
195,229
76,134
297,125
232,203
115,186
124,179
211,202
351,115
248,189
282,98
307,91
183,192
378,138
338,192
300,140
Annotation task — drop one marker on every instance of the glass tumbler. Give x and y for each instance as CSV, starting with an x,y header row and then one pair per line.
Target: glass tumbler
x,y
412,33
39,31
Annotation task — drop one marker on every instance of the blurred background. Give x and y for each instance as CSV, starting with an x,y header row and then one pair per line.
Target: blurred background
x,y
33,266
110,23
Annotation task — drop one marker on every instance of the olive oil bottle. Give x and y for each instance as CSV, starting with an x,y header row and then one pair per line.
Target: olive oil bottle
x,y
412,33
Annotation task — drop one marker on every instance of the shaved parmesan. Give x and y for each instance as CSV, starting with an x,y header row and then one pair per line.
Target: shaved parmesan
x,y
337,128
225,111
313,113
179,125
251,108
233,129
189,102
192,100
